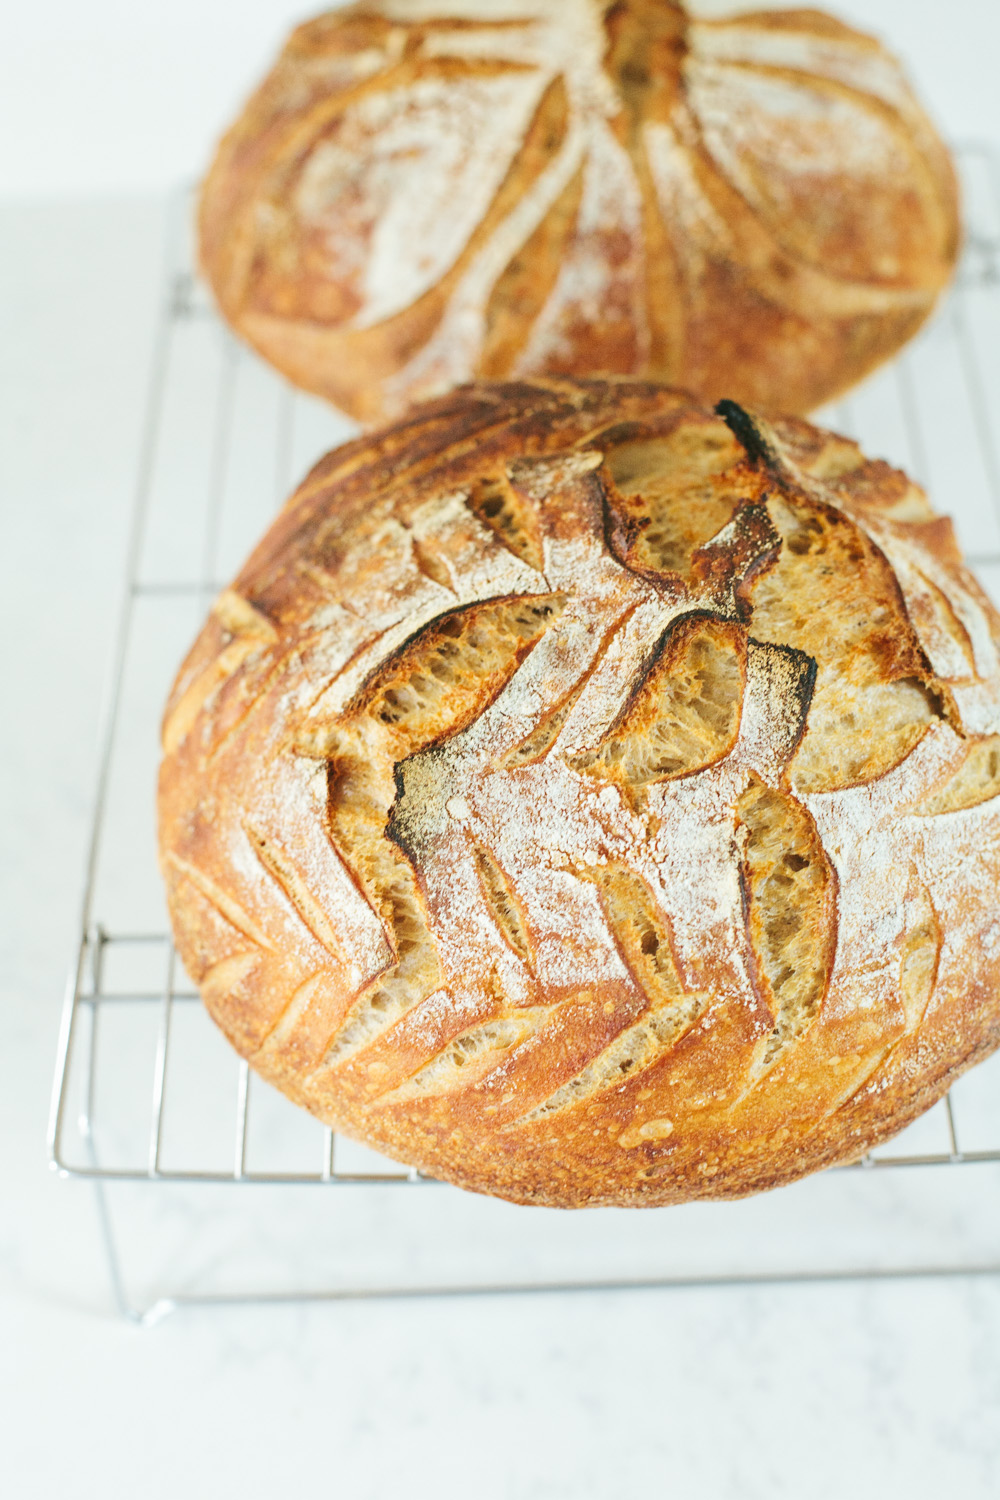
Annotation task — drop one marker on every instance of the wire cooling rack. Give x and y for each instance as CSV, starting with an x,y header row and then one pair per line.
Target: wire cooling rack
x,y
147,1093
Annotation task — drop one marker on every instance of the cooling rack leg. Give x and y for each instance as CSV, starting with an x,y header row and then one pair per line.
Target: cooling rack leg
x,y
141,1317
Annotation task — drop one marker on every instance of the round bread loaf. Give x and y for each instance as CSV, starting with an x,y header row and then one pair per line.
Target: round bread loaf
x,y
425,191
593,799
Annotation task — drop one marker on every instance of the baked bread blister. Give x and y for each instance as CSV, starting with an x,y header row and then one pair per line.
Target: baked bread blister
x,y
591,798
425,191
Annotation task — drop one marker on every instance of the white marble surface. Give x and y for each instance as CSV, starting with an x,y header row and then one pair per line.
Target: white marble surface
x,y
811,1392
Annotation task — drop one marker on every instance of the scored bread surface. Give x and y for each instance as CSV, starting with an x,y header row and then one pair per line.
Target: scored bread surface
x,y
420,193
589,798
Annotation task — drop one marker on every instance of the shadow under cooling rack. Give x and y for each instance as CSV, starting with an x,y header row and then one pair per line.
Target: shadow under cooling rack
x,y
147,1092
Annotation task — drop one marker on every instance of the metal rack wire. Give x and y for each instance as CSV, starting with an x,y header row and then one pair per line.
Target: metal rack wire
x,y
144,1090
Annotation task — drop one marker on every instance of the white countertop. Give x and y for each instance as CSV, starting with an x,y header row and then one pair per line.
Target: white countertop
x,y
811,1391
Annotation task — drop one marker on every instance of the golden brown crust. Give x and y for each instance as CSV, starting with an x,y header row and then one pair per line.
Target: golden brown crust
x,y
592,799
754,207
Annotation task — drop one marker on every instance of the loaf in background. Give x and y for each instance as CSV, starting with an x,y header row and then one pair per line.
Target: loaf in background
x,y
420,192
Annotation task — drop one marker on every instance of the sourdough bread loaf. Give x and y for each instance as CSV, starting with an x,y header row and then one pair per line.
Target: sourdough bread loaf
x,y
423,191
590,798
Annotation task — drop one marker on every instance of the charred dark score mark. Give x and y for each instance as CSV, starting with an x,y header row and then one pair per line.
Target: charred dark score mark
x,y
793,670
748,433
728,562
779,691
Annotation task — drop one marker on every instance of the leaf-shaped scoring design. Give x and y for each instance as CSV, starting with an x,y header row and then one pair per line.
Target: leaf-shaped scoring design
x,y
594,842
409,201
396,749
429,690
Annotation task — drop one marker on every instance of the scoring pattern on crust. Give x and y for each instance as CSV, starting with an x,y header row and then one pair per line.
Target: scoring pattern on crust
x,y
752,206
565,878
